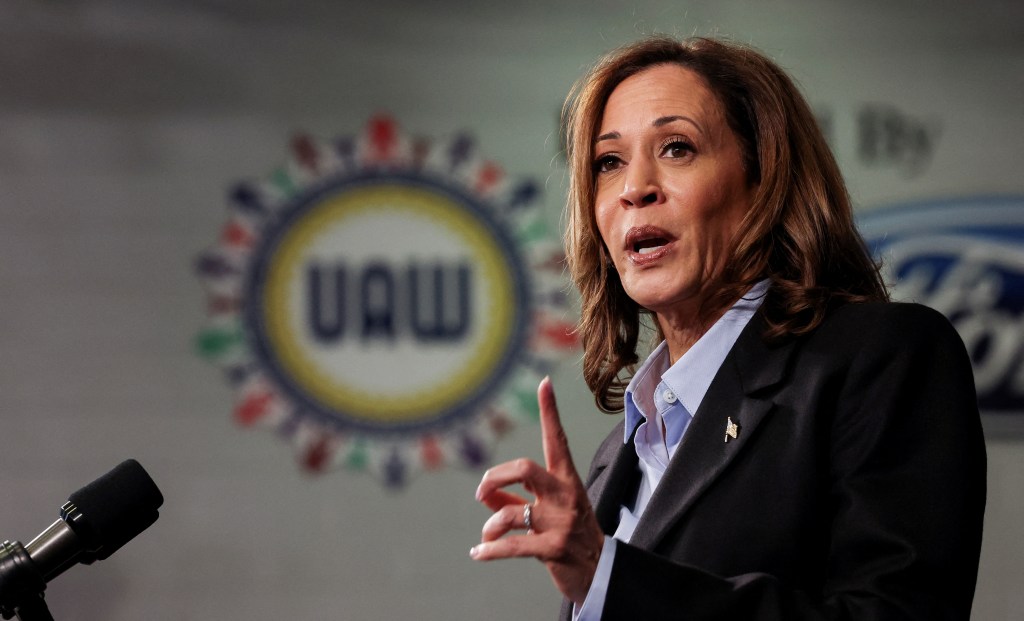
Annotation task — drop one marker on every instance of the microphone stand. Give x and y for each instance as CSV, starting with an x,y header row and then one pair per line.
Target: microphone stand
x,y
21,585
34,610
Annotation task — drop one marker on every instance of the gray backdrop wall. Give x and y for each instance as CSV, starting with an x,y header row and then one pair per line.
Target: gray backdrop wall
x,y
124,122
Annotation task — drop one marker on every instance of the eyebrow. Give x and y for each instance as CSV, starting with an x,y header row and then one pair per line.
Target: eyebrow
x,y
658,122
665,120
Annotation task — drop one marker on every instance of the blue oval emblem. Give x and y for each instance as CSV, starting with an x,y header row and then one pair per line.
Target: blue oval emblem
x,y
964,258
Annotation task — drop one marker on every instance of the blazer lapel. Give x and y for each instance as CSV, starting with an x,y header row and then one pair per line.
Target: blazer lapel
x,y
704,454
614,481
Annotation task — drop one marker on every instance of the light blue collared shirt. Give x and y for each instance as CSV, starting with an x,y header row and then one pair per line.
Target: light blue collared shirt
x,y
662,399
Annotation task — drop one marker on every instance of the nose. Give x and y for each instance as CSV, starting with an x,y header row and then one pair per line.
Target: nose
x,y
642,187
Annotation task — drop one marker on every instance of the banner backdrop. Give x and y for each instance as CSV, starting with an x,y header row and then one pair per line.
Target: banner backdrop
x,y
374,302
215,215
965,258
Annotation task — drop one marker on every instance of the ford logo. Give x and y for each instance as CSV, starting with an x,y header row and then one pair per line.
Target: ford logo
x,y
964,258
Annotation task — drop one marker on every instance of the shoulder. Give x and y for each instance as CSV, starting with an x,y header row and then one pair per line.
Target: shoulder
x,y
906,347
859,340
882,315
887,325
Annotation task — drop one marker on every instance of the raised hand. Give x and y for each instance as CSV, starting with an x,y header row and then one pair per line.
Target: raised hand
x,y
564,533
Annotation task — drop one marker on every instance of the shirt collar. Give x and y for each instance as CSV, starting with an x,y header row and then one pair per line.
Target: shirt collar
x,y
691,376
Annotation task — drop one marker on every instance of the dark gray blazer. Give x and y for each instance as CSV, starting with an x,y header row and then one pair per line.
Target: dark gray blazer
x,y
855,488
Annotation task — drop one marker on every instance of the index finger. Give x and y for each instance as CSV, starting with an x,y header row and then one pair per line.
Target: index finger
x,y
556,444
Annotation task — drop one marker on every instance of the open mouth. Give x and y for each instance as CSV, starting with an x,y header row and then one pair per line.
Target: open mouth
x,y
644,241
649,245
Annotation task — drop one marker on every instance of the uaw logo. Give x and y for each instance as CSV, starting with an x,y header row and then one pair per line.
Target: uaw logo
x,y
386,304
965,258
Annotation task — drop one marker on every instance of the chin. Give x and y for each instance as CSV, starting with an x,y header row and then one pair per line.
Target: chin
x,y
661,302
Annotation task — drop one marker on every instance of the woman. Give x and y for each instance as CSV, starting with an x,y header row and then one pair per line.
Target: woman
x,y
797,447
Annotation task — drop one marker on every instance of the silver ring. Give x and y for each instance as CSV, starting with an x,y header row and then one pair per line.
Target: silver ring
x,y
527,510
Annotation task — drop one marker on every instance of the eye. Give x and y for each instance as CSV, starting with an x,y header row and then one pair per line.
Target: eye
x,y
677,148
607,163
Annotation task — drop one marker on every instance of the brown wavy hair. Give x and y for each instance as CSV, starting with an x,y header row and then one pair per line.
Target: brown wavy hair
x,y
798,233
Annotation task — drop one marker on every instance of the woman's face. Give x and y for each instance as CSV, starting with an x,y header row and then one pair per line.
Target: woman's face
x,y
671,189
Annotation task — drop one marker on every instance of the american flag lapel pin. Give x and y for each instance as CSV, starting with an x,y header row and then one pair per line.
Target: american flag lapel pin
x,y
732,430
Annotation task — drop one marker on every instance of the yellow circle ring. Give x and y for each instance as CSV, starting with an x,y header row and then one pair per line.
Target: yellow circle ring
x,y
352,400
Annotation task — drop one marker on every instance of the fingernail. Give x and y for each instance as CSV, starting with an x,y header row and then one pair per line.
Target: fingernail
x,y
474,552
478,496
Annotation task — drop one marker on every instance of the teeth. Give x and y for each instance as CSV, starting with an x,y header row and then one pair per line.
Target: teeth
x,y
649,249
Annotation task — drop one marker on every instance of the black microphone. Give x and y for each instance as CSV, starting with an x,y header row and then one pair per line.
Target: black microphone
x,y
94,523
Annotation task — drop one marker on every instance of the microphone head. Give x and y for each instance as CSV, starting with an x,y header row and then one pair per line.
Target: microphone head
x,y
112,510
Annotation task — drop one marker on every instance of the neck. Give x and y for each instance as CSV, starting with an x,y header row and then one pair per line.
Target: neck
x,y
681,330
